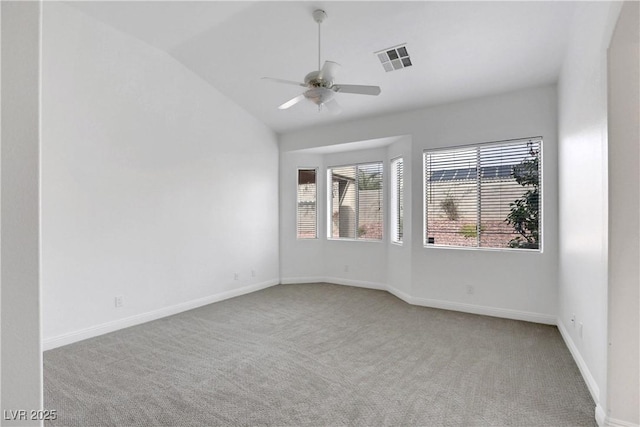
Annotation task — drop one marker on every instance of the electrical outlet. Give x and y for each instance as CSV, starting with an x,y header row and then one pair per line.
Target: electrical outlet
x,y
119,301
573,319
470,290
236,276
253,273
580,329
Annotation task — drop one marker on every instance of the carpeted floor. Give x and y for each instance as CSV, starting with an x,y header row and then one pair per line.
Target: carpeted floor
x,y
319,354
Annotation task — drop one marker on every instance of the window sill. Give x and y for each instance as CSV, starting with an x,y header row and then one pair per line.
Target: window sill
x,y
332,239
468,248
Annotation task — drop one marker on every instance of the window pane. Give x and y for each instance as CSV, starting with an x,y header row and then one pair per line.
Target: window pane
x,y
307,195
356,201
510,194
397,200
451,197
343,202
484,196
370,201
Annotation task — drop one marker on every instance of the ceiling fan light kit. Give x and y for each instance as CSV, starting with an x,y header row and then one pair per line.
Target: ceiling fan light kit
x,y
320,85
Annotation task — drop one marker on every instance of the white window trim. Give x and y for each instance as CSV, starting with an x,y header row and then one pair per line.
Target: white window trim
x,y
329,201
431,246
308,239
394,212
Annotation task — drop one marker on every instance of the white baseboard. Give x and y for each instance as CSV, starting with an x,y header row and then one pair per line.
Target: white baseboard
x,y
605,421
592,385
612,422
307,279
601,415
527,316
104,328
399,294
334,281
356,283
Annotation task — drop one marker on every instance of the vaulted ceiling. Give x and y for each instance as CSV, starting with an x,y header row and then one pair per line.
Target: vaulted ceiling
x,y
459,50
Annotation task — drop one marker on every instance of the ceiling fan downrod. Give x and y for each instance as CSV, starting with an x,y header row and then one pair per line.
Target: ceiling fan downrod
x,y
319,84
319,16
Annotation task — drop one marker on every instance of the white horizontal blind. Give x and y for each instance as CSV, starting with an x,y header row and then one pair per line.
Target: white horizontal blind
x,y
484,196
356,201
451,196
502,165
307,204
397,200
369,211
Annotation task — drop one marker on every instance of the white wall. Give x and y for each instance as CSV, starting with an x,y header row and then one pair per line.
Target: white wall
x,y
366,260
623,375
582,96
21,344
1,209
308,260
303,261
507,283
399,270
155,186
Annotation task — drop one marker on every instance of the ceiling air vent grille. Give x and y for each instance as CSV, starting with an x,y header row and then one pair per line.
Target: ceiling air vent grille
x,y
394,58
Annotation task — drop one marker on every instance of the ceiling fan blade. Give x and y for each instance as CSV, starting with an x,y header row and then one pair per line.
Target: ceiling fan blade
x,y
357,89
288,82
291,102
332,106
328,71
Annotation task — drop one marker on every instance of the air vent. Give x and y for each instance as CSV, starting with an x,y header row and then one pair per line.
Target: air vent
x,y
394,58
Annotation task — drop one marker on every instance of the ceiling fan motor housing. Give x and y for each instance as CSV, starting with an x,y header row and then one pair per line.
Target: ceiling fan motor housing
x,y
312,80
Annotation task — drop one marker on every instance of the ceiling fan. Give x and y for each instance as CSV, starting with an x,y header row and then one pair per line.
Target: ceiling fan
x,y
320,85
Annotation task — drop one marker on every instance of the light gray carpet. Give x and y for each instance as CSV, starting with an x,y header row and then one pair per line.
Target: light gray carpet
x,y
319,354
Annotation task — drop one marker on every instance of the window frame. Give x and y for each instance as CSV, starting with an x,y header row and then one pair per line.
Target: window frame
x,y
316,171
396,201
329,208
427,245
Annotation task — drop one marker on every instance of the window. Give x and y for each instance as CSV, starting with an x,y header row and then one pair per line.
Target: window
x,y
307,195
484,196
397,203
355,205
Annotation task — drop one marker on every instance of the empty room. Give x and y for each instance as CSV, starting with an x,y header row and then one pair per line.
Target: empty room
x,y
322,213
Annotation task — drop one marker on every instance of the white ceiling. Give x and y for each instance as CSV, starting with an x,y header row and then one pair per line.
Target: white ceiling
x,y
459,50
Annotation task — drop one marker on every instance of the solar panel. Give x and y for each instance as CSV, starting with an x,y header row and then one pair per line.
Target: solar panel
x,y
504,171
436,175
469,173
488,172
495,172
453,174
448,175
